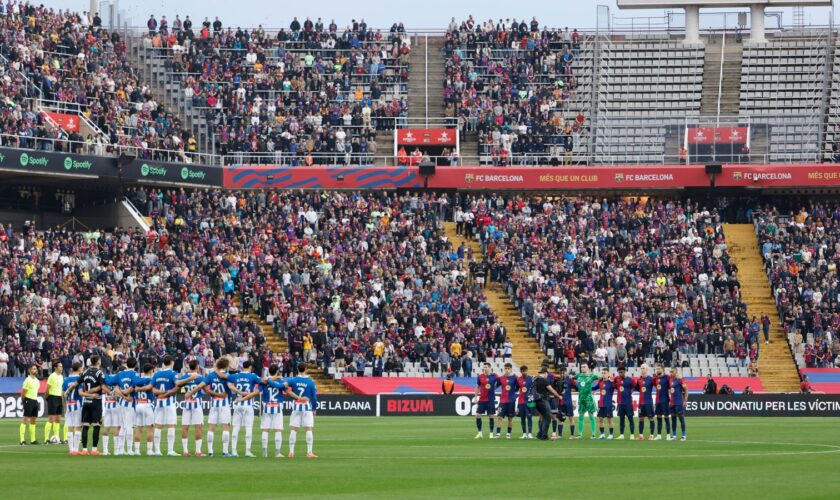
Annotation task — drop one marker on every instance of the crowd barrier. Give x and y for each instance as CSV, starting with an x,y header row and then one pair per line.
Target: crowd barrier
x,y
413,405
367,177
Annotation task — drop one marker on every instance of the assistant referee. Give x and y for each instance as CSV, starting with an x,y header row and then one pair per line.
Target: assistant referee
x,y
29,396
55,402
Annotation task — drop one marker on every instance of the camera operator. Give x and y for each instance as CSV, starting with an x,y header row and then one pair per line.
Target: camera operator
x,y
542,392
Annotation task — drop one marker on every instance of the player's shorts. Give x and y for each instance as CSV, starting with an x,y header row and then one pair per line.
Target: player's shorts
x,y
219,415
678,410
112,417
273,422
302,419
605,412
662,409
486,408
552,405
128,414
30,407
625,411
646,411
507,409
194,416
586,406
73,417
92,413
166,415
144,415
243,416
54,406
567,409
523,410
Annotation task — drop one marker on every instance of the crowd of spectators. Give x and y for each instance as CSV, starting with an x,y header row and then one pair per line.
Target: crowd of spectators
x,y
616,282
353,281
511,82
80,66
307,95
801,250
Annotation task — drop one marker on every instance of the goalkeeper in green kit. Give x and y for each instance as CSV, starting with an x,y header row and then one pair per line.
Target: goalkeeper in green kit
x,y
585,380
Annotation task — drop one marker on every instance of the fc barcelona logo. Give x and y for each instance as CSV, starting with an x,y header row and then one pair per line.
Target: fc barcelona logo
x,y
507,387
487,386
621,389
619,177
644,389
737,175
468,178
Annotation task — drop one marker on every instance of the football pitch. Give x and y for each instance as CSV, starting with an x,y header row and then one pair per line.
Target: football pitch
x,y
432,457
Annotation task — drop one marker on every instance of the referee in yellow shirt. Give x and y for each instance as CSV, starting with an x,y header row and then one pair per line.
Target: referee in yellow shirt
x,y
29,396
55,403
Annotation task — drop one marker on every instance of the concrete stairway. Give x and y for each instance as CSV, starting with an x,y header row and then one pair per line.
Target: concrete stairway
x,y
278,345
426,82
777,368
729,86
526,350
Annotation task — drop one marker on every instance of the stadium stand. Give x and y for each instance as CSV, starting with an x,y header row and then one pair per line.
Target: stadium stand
x,y
309,95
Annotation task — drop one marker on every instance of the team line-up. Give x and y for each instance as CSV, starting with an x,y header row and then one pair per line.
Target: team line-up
x,y
550,396
129,402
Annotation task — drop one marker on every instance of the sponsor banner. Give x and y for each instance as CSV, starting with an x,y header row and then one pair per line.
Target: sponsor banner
x,y
68,122
794,175
427,137
328,404
628,177
262,176
717,135
56,163
179,173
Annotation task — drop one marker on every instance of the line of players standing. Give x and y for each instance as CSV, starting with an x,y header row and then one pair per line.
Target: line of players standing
x,y
518,393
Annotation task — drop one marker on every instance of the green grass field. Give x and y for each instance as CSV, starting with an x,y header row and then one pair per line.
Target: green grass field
x,y
428,457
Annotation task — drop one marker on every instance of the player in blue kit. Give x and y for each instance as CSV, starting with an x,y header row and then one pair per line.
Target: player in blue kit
x,y
165,384
245,385
485,391
124,389
507,399
625,386
645,385
111,413
73,417
663,400
144,410
303,409
679,395
606,390
192,415
567,407
525,382
271,418
215,384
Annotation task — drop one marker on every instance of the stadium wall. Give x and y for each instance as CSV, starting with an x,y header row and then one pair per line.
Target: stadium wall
x,y
365,177
393,405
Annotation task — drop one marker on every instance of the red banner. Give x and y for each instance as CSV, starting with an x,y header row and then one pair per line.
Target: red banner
x,y
826,174
628,177
718,135
69,123
427,137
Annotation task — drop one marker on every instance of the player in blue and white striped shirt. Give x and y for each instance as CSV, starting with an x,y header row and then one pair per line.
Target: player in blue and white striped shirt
x,y
271,418
303,409
215,384
124,389
144,410
111,413
192,414
245,384
165,385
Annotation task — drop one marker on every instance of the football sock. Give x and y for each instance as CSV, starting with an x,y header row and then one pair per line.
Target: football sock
x,y
70,444
592,423
234,439
170,439
264,440
157,440
77,439
95,436
632,426
22,432
85,436
478,424
667,425
508,430
682,424
185,444
310,440
249,436
210,436
106,439
197,446
602,430
47,429
65,433
522,422
292,440
580,423
32,432
225,441
492,425
530,424
621,425
673,425
553,425
641,427
278,441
